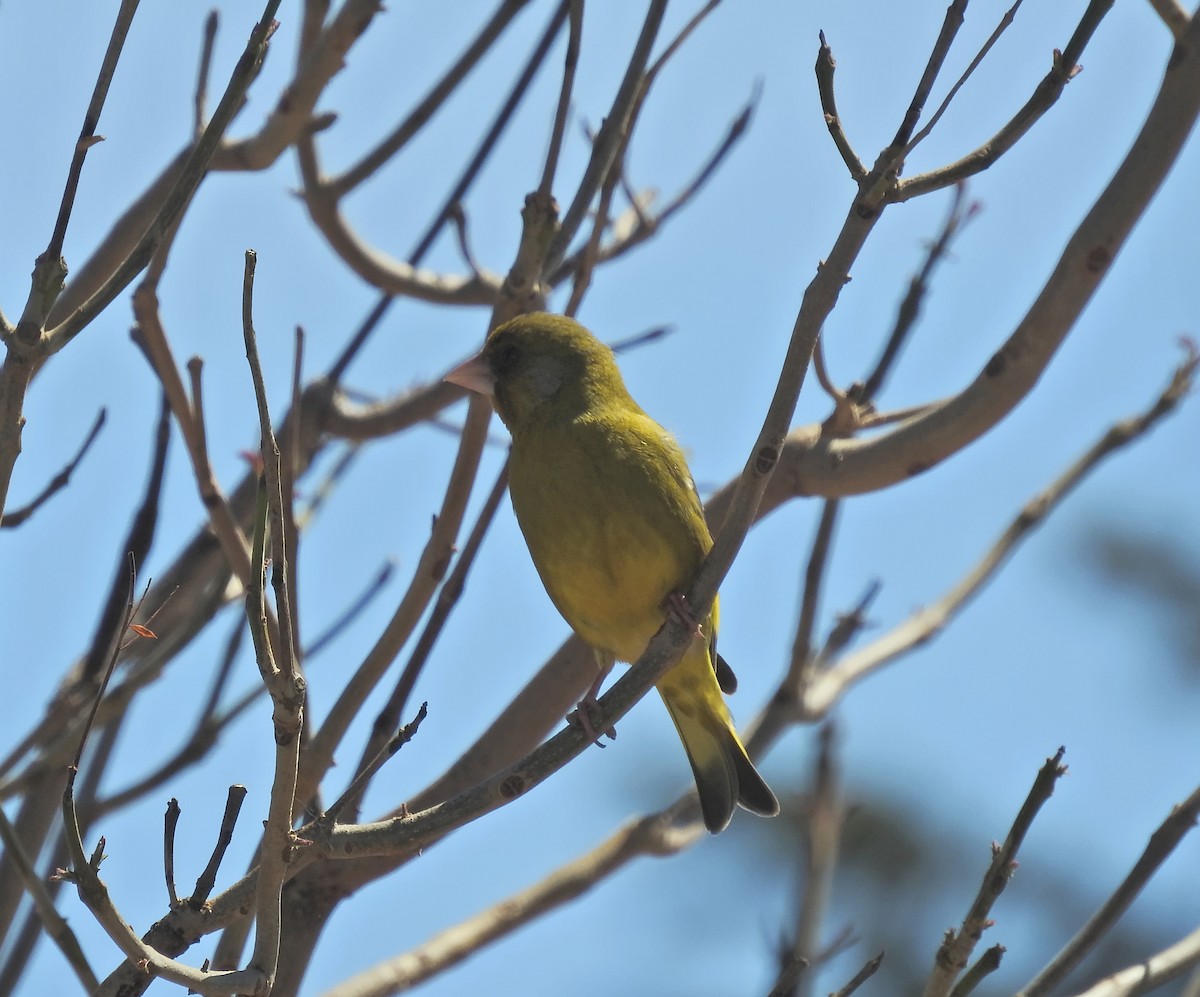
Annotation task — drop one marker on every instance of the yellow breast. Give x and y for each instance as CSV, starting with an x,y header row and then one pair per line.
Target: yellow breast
x,y
612,532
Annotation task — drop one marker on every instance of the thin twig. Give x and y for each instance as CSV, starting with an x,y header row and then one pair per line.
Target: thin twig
x,y
1063,69
194,429
114,649
823,379
50,270
648,225
95,894
209,723
956,948
170,823
833,121
829,686
448,597
1162,843
289,468
591,248
984,966
27,345
910,307
861,977
322,198
609,138
501,121
641,339
235,796
191,173
277,664
366,771
951,23
847,625
1150,974
458,219
789,976
13,519
1005,22
558,130
804,652
824,820
356,342
55,924
429,104
200,102
204,734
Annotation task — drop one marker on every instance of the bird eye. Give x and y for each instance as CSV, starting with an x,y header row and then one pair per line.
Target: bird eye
x,y
506,358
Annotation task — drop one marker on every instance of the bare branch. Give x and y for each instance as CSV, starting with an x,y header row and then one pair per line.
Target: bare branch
x,y
50,270
861,977
1152,973
235,796
321,198
1005,22
558,130
429,105
951,24
200,100
824,820
984,966
276,662
804,651
322,58
54,923
1063,69
825,69
170,823
1163,842
16,517
646,226
368,767
447,598
193,171
830,685
789,976
956,948
1173,15
609,138
647,836
910,308
842,467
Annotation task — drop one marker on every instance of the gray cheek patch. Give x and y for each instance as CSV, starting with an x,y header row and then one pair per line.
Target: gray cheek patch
x,y
546,376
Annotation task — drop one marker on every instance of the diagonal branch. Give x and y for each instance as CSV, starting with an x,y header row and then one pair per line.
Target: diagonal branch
x,y
956,948
828,687
1162,843
16,517
1063,69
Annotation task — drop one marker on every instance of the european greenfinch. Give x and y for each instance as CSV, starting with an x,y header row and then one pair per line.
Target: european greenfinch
x,y
613,521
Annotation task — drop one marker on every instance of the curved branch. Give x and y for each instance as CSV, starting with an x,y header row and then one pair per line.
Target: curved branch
x,y
1065,67
815,466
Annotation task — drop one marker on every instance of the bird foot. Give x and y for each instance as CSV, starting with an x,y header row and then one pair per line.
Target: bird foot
x,y
677,603
581,717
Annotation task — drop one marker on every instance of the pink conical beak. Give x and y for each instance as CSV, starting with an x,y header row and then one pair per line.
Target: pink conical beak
x,y
474,375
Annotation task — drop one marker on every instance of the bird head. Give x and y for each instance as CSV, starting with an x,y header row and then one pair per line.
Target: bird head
x,y
542,367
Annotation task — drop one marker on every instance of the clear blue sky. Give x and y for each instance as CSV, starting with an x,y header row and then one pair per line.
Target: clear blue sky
x,y
1047,656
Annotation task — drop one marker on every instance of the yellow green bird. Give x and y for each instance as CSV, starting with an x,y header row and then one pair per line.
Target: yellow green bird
x,y
613,521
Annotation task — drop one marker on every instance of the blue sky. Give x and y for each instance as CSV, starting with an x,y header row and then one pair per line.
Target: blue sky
x,y
1048,656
